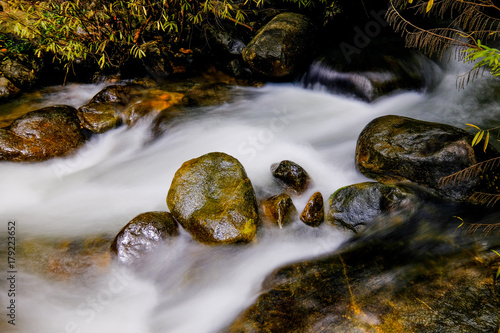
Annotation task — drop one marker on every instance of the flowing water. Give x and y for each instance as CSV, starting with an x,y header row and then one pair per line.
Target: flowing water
x,y
185,286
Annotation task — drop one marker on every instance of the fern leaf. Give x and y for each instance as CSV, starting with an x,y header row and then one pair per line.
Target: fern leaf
x,y
470,172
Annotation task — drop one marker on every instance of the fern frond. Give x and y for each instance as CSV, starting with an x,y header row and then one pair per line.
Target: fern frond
x,y
471,172
485,199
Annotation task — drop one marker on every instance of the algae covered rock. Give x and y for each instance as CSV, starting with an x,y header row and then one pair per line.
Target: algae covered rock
x,y
213,199
42,134
292,176
395,148
142,234
280,46
314,213
279,209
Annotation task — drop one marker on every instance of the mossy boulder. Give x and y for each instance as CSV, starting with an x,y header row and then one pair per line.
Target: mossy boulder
x,y
42,134
213,199
279,209
394,148
142,234
314,212
280,46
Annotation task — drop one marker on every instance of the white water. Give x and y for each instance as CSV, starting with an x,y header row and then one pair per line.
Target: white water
x,y
185,286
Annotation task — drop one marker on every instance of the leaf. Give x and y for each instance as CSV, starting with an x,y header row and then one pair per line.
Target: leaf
x,y
429,5
486,140
477,138
473,126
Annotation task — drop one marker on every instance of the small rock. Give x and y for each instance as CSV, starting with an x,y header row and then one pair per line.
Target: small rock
x,y
313,214
279,209
142,234
100,117
291,175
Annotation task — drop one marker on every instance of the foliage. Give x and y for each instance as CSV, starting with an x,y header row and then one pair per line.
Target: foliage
x,y
113,30
468,23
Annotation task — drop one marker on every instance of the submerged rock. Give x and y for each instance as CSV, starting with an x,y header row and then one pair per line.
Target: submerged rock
x,y
279,209
280,46
395,148
292,176
42,134
357,206
213,199
142,234
411,277
314,213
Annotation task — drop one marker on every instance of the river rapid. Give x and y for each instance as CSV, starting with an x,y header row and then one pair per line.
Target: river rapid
x,y
184,286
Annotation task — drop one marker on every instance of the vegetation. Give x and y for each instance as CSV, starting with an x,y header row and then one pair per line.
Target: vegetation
x,y
111,31
464,25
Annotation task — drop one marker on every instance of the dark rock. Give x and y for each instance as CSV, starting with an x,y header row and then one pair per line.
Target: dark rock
x,y
7,89
101,117
156,61
291,175
384,66
281,45
213,199
394,148
133,113
412,277
226,40
22,70
142,234
42,134
357,206
279,209
314,213
112,94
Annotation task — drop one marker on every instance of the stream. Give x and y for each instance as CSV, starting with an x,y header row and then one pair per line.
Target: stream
x,y
184,286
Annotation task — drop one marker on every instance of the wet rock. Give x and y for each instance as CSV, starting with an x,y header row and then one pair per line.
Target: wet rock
x,y
142,234
112,94
357,206
394,148
314,213
412,277
291,175
213,199
279,209
100,117
7,89
42,134
382,67
280,46
21,69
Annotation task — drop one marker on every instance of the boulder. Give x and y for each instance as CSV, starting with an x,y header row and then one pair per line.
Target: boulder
x,y
22,70
100,117
142,234
395,148
213,199
410,277
357,206
42,134
279,209
280,46
314,213
291,175
112,94
7,89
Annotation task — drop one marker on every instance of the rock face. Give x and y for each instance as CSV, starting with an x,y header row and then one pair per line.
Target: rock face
x,y
314,213
279,209
291,175
42,134
213,199
280,45
394,148
356,206
21,70
142,234
410,278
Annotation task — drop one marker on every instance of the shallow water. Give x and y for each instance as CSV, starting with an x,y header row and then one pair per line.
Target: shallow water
x,y
185,286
